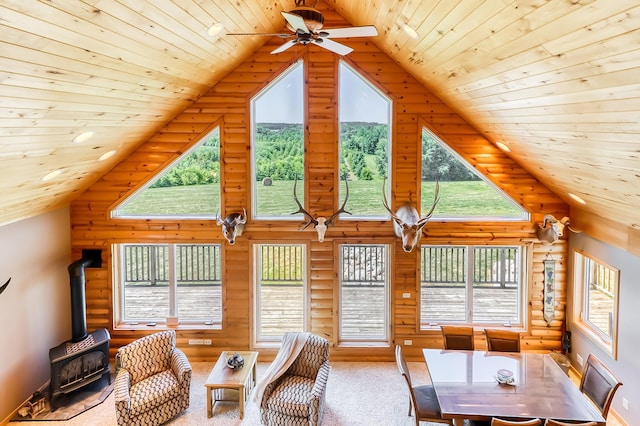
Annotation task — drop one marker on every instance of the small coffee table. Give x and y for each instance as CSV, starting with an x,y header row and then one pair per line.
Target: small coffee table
x,y
222,377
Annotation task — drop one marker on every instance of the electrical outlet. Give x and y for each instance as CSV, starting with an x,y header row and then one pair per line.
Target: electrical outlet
x,y
406,295
408,342
206,342
580,360
625,403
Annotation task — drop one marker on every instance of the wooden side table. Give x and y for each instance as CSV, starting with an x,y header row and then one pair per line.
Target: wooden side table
x,y
222,377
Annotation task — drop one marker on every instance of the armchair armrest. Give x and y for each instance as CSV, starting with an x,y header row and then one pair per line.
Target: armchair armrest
x,y
180,366
321,380
121,389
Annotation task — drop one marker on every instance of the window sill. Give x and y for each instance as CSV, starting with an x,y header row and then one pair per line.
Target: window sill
x,y
161,326
605,345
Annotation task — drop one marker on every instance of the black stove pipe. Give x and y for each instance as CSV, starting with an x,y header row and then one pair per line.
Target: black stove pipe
x,y
78,298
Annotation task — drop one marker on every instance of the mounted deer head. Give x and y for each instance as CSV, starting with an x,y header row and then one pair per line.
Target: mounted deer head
x,y
407,223
232,225
552,230
320,223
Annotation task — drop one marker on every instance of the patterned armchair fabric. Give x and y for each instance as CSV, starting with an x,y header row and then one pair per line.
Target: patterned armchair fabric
x,y
152,384
298,396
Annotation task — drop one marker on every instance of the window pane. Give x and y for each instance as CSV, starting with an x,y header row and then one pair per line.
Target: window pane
x,y
496,286
280,290
146,283
192,183
599,296
463,191
364,142
199,283
278,145
443,284
363,293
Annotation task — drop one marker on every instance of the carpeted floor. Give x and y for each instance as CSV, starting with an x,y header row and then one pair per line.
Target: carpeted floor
x,y
358,394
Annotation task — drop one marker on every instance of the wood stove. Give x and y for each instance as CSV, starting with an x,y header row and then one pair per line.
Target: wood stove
x,y
85,358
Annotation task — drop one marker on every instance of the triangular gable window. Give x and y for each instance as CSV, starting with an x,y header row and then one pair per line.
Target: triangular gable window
x,y
188,188
464,193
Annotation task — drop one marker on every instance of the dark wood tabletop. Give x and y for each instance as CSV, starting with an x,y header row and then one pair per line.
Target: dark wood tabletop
x,y
467,388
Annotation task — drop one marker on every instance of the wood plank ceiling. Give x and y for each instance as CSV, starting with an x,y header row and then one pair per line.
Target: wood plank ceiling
x,y
556,81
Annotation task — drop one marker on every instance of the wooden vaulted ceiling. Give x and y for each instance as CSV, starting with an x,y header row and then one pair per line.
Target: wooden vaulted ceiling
x,y
556,81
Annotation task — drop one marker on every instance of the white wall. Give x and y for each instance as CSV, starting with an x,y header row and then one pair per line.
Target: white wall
x,y
627,366
35,308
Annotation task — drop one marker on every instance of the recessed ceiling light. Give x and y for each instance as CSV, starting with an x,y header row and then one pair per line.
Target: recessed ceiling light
x,y
576,198
83,137
54,174
503,146
215,29
411,32
106,155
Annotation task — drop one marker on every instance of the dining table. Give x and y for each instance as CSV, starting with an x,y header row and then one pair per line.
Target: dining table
x,y
467,387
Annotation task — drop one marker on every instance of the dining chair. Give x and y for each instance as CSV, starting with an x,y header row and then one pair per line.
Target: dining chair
x,y
502,340
501,422
599,384
457,337
551,422
422,398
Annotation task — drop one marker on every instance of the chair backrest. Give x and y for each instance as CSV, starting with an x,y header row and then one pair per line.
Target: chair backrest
x,y
313,354
599,384
402,366
148,355
551,422
502,340
457,337
501,422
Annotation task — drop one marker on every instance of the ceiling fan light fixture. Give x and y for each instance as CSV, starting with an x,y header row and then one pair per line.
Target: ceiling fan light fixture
x,y
410,31
215,29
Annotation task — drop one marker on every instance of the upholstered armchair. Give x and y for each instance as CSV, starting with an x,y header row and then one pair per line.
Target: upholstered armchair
x,y
153,380
297,397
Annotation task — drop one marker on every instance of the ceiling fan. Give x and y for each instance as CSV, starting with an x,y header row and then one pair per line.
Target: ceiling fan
x,y
306,25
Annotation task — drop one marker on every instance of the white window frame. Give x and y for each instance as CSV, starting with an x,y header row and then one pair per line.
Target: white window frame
x,y
172,320
254,194
369,340
342,188
259,341
522,273
581,286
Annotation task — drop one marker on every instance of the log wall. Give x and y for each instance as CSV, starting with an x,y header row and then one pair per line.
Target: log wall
x,y
227,104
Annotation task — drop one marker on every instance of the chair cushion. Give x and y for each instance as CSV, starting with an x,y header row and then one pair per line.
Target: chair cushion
x,y
153,391
291,396
427,402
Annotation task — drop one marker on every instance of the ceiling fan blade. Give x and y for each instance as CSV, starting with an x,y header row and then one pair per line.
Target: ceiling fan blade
x,y
366,31
284,46
333,46
295,21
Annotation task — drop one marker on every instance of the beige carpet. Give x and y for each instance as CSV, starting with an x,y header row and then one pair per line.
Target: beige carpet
x,y
358,393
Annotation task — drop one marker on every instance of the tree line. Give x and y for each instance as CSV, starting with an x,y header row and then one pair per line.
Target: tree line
x,y
280,156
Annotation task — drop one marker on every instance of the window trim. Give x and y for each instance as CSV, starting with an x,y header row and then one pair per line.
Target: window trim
x,y
117,276
350,342
256,341
524,289
145,184
606,343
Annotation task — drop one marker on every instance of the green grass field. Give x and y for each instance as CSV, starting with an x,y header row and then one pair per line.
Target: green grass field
x,y
457,199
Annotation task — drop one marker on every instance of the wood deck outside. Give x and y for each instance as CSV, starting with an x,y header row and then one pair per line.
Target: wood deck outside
x,y
361,314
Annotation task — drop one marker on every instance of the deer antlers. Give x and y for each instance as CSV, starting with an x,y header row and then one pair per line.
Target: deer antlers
x,y
321,223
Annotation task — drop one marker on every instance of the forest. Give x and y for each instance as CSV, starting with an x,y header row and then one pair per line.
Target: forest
x,y
279,154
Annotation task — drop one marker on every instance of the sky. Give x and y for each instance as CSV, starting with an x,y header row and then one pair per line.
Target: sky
x,y
282,101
